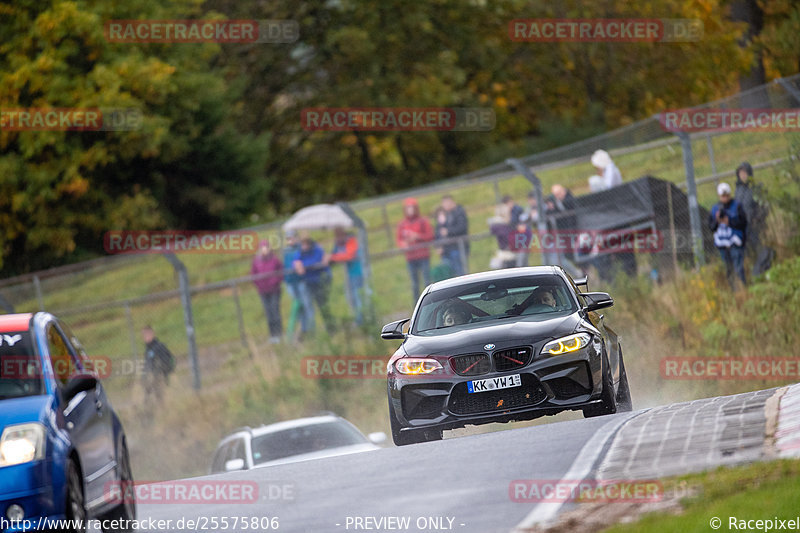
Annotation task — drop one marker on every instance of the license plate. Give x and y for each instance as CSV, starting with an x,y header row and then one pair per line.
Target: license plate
x,y
504,382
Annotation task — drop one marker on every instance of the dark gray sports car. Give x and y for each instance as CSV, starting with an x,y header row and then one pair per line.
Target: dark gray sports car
x,y
501,346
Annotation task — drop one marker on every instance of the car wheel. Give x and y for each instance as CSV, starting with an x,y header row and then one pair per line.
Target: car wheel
x,y
414,436
123,514
75,509
624,402
608,400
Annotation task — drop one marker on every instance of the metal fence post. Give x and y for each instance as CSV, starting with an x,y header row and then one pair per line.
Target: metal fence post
x,y
131,329
387,225
789,89
673,242
710,146
240,317
691,191
37,286
6,305
548,258
462,252
186,300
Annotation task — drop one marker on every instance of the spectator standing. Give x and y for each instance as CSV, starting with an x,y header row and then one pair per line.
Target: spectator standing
x,y
316,276
729,224
602,162
520,241
268,263
346,251
748,195
444,269
294,285
514,210
414,230
159,363
561,203
532,211
456,225
562,198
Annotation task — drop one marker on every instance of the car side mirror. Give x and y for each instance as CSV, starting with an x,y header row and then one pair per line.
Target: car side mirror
x,y
379,437
394,330
597,300
79,383
234,464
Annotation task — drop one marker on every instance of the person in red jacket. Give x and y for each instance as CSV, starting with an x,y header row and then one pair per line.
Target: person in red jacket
x,y
268,263
412,231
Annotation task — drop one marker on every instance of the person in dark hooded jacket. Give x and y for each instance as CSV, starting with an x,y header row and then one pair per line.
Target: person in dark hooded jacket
x,y
749,195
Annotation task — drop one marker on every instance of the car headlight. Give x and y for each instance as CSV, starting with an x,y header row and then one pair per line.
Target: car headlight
x,y
417,365
21,443
570,343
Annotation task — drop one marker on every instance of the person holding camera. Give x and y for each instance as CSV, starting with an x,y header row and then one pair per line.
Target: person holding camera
x,y
728,222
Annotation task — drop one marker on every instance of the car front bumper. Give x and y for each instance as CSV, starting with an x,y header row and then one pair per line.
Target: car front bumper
x,y
30,486
550,384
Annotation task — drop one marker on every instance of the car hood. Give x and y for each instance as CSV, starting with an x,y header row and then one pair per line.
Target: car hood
x,y
502,333
26,409
331,452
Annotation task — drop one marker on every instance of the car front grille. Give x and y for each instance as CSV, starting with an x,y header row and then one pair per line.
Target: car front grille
x,y
473,364
511,359
528,394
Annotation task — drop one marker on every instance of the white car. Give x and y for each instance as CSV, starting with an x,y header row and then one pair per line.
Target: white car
x,y
291,441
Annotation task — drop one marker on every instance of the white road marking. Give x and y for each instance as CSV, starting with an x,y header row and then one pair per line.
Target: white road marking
x,y
546,512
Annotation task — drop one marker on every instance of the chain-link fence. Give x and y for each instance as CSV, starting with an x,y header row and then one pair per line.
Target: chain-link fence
x,y
109,300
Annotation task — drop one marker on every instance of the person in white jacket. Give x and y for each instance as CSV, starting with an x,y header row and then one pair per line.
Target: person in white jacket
x,y
608,171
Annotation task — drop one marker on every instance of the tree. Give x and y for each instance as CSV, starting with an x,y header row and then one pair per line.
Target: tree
x,y
186,167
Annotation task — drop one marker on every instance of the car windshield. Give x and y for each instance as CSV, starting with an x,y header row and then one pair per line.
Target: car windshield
x,y
20,371
493,300
304,439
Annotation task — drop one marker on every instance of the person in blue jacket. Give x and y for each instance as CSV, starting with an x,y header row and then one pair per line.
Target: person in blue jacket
x,y
728,222
294,286
315,274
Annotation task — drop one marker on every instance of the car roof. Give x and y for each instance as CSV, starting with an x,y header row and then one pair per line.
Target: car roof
x,y
504,273
15,322
288,424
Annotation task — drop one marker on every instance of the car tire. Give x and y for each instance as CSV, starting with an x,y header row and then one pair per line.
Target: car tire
x,y
608,400
123,514
75,507
412,436
624,402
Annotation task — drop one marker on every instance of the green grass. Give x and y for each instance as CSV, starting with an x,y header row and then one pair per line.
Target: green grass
x,y
758,491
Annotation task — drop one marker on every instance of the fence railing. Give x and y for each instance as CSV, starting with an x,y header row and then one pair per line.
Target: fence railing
x,y
225,310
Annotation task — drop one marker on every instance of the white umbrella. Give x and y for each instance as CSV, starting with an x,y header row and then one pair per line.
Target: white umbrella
x,y
320,216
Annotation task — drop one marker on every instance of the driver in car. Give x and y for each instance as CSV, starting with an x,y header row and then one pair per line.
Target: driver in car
x,y
544,296
455,313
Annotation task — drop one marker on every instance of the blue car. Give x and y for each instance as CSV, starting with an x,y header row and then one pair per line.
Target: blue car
x,y
63,452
